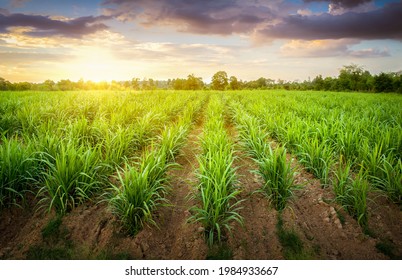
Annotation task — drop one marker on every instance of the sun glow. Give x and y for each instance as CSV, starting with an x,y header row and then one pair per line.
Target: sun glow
x,y
96,65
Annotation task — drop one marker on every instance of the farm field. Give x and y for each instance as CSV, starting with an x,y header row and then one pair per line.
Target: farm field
x,y
200,175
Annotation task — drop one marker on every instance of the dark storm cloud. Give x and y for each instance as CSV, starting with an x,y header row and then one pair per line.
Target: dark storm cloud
x,y
268,20
342,3
383,23
4,12
44,26
205,17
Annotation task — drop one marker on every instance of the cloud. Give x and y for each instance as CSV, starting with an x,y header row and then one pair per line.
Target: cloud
x,y
329,48
203,17
4,12
337,7
163,51
12,58
370,53
342,3
44,26
383,23
316,48
264,21
18,3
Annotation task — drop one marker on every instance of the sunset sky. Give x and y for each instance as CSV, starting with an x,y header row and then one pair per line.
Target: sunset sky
x,y
122,39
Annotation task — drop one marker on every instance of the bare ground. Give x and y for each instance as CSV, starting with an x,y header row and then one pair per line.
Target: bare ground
x,y
257,238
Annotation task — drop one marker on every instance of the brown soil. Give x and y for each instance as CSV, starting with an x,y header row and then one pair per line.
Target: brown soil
x,y
176,238
257,238
385,221
19,229
314,217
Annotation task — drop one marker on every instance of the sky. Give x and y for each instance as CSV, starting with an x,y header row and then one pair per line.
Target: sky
x,y
292,40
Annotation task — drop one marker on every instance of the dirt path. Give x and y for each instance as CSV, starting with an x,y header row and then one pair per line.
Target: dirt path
x,y
19,228
177,239
256,239
385,220
317,219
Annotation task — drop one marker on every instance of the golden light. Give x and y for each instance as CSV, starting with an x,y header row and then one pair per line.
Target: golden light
x,y
95,64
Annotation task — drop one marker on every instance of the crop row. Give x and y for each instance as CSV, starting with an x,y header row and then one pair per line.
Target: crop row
x,y
142,186
217,191
363,132
64,152
273,166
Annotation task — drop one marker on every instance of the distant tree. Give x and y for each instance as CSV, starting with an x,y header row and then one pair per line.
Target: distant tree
x,y
148,84
351,77
115,85
220,80
383,83
318,83
234,84
194,83
3,84
397,83
100,85
80,84
251,85
135,83
261,83
178,84
49,85
22,86
269,83
127,84
328,83
152,84
65,85
145,84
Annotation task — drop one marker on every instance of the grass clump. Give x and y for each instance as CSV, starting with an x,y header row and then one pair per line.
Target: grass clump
x,y
390,180
17,171
173,139
140,190
342,178
252,135
352,193
278,177
71,177
273,166
217,191
317,157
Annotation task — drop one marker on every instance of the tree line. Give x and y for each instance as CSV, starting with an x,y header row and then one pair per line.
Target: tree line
x,y
350,78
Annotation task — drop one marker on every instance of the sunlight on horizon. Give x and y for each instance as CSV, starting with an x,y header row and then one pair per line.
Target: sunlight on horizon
x,y
96,64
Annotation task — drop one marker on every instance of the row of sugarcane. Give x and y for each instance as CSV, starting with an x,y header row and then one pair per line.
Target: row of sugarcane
x,y
273,167
348,151
64,152
142,187
217,191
